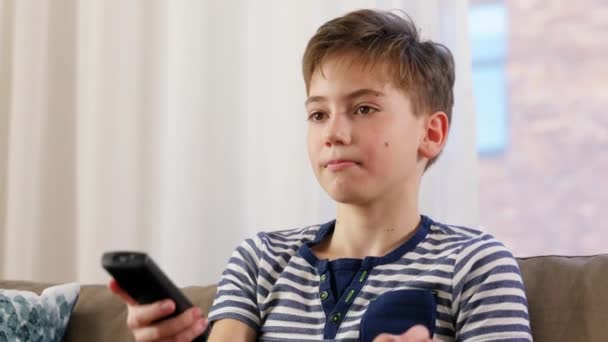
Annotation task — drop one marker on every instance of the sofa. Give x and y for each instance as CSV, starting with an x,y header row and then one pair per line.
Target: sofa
x,y
565,295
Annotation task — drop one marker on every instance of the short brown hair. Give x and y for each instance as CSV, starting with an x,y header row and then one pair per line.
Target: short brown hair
x,y
423,69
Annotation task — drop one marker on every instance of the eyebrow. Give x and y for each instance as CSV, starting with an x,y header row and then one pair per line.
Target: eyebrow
x,y
353,95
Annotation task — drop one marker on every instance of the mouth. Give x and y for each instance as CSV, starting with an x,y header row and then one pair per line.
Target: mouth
x,y
341,164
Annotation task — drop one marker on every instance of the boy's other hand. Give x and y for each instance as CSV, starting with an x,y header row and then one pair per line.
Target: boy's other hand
x,y
417,333
184,327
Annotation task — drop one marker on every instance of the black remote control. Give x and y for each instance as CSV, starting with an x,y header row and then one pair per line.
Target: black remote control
x,y
143,280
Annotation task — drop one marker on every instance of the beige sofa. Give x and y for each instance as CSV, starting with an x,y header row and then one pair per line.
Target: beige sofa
x,y
566,298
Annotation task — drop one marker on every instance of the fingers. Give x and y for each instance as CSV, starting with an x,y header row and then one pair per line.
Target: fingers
x,y
418,333
184,327
142,315
385,338
114,287
193,332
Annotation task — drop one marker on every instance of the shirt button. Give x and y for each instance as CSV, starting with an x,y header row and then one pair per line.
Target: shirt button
x,y
323,277
336,317
324,295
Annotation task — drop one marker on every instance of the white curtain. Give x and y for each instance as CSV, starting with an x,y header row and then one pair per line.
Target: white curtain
x,y
177,128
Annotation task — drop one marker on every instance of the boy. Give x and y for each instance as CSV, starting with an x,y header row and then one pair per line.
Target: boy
x,y
378,108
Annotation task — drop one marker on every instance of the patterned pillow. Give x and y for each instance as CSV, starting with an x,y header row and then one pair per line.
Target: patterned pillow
x,y
25,316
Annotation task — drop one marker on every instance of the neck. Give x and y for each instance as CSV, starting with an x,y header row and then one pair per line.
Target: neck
x,y
373,229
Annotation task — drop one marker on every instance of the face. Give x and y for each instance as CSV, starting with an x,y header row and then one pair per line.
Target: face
x,y
363,138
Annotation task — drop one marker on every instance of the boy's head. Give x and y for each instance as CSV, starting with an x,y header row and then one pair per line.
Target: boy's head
x,y
379,51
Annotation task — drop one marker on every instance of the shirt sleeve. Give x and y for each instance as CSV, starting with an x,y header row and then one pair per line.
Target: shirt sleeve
x,y
236,295
489,301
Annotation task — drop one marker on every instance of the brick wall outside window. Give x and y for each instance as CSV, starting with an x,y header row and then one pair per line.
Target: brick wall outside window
x,y
547,193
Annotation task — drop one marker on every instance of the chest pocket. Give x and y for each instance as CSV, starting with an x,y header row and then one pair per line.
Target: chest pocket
x,y
396,311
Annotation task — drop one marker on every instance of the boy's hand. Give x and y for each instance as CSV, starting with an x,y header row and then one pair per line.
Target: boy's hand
x,y
417,333
184,327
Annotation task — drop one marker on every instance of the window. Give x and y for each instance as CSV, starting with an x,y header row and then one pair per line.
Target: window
x,y
488,44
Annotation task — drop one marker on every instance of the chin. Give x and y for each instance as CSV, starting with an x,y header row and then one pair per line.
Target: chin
x,y
350,196
346,190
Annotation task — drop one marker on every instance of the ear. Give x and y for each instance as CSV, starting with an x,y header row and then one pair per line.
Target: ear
x,y
436,127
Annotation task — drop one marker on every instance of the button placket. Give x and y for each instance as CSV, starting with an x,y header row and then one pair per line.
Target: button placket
x,y
325,294
339,310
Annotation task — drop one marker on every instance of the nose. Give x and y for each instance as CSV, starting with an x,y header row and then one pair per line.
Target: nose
x,y
338,130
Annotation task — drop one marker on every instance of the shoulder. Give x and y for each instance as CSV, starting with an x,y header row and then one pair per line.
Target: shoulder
x,y
273,244
458,234
488,295
289,237
472,248
282,240
462,238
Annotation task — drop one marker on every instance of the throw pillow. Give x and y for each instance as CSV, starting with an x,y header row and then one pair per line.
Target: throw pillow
x,y
25,316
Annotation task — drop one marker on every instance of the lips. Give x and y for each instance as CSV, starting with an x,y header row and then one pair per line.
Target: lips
x,y
341,164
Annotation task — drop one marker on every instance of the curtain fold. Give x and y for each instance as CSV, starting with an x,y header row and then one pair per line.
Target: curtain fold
x,y
177,128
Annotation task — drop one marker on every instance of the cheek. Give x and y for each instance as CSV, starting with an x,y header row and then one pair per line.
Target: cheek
x,y
378,157
390,154
313,145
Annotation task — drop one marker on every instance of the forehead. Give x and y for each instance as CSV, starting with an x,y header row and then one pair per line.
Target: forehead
x,y
347,71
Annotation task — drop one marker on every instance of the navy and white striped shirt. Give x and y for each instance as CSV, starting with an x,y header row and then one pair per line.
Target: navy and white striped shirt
x,y
461,283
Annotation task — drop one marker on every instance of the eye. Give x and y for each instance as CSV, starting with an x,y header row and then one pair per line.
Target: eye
x,y
364,110
316,116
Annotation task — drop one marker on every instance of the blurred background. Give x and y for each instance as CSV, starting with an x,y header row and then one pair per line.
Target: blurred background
x,y
178,128
540,83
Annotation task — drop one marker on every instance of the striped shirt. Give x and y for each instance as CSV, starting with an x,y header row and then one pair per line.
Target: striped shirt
x,y
464,281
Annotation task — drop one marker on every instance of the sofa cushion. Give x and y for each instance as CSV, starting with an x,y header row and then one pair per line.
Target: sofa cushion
x,y
27,316
566,297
